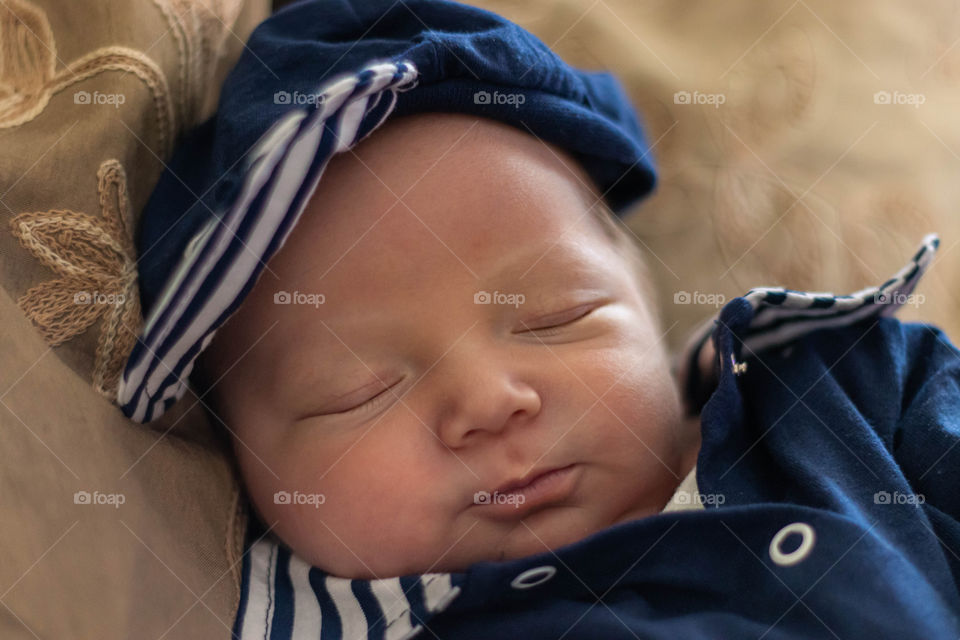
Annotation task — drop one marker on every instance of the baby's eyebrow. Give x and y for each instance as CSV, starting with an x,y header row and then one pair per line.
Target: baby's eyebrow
x,y
548,258
327,373
524,262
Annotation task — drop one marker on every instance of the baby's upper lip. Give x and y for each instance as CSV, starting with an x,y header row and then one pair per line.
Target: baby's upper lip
x,y
527,479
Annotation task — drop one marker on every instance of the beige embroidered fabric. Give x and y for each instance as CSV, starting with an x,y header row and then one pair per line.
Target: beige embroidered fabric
x,y
95,257
809,144
109,530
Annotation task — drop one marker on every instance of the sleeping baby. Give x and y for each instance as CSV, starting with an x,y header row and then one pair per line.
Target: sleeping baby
x,y
393,269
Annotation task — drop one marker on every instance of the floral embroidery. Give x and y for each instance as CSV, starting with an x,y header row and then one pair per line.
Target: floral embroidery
x,y
198,28
28,74
95,258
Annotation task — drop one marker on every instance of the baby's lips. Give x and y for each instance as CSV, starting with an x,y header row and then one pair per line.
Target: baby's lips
x,y
537,489
527,480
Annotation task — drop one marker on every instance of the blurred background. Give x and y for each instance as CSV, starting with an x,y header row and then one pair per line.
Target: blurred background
x,y
807,144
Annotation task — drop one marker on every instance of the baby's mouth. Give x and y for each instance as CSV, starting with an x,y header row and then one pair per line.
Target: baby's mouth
x,y
538,489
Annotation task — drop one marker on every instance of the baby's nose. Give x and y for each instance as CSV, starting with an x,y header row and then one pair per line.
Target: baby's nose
x,y
486,404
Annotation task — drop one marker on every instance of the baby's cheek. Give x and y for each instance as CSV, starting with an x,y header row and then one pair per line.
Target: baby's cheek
x,y
381,494
377,528
642,418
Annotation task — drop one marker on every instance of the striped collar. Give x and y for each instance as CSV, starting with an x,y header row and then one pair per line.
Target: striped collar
x,y
284,598
781,316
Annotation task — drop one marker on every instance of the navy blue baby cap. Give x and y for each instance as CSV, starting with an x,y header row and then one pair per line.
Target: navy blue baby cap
x,y
314,79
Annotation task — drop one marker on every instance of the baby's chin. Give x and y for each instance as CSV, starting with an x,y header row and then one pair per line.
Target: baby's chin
x,y
540,532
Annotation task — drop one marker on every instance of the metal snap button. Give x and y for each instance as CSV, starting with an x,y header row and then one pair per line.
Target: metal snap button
x,y
533,577
809,536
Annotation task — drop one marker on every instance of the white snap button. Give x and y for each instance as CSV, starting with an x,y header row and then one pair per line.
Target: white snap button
x,y
533,577
809,536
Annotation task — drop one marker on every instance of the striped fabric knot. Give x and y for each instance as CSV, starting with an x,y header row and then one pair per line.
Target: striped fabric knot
x,y
224,259
284,598
782,315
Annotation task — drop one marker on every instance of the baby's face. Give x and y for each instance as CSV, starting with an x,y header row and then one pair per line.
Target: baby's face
x,y
387,409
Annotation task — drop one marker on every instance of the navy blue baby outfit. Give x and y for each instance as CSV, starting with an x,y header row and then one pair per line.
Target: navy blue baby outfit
x,y
831,432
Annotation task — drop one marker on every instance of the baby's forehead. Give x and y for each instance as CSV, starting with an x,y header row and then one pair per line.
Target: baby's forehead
x,y
398,268
465,149
382,258
471,196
